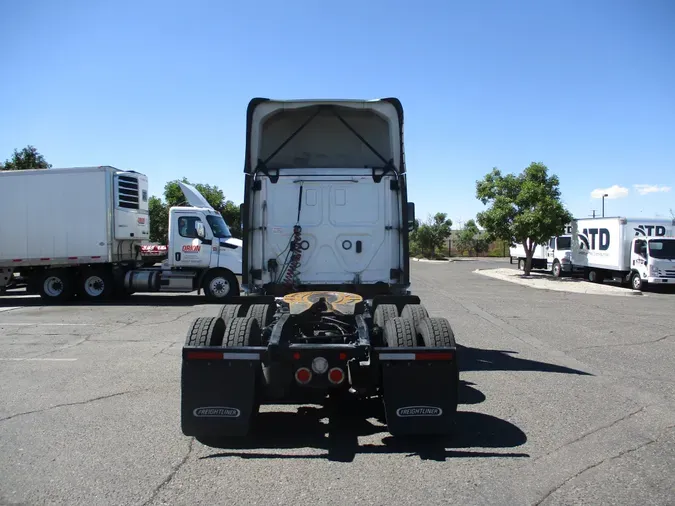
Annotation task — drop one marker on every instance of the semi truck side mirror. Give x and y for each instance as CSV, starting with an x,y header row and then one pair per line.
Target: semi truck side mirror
x,y
411,216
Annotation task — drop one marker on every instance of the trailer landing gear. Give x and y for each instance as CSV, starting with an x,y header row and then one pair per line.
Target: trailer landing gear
x,y
314,346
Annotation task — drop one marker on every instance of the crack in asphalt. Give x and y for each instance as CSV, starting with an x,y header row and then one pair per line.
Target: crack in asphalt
x,y
102,397
615,345
172,474
593,431
593,466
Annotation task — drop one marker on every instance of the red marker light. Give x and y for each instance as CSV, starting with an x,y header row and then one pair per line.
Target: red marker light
x,y
343,356
303,375
336,376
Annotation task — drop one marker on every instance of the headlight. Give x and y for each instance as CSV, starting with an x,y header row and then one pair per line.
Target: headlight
x,y
654,270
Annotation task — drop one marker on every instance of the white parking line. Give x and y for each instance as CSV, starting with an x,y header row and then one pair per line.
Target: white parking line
x,y
8,308
37,359
14,324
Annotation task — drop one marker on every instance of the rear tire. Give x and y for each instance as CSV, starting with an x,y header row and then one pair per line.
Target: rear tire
x,y
263,313
229,311
384,313
243,331
400,333
436,333
521,264
416,313
206,331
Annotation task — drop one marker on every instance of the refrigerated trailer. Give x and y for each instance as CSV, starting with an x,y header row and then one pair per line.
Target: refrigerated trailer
x,y
78,232
327,310
635,251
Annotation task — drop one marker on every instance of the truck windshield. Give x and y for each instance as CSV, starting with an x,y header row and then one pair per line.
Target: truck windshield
x,y
564,243
218,226
662,248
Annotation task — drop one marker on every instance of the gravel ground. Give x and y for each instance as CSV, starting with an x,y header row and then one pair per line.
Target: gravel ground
x,y
566,398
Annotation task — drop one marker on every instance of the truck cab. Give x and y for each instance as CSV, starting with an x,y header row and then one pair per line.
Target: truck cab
x,y
652,261
559,255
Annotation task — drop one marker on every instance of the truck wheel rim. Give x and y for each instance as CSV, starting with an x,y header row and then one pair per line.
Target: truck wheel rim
x,y
636,282
94,286
219,287
53,286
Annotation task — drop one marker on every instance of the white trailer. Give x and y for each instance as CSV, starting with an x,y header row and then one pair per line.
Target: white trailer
x,y
79,232
631,250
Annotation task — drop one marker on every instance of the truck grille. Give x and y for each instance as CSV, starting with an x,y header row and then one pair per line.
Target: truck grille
x,y
127,192
670,274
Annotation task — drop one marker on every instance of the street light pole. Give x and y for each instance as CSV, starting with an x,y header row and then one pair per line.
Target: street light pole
x,y
603,204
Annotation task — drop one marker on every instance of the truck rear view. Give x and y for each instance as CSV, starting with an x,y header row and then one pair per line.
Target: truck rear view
x,y
327,311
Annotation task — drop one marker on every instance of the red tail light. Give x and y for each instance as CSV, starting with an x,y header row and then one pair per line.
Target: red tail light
x,y
303,375
336,375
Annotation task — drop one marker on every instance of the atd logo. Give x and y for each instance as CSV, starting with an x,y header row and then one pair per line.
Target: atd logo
x,y
191,248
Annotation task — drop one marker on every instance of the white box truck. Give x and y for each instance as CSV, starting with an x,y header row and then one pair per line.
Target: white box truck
x,y
79,231
635,251
517,252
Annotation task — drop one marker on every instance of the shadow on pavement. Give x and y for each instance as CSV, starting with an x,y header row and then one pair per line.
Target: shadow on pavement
x,y
477,359
336,428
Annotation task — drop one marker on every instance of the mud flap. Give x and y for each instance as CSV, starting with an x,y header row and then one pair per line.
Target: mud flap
x,y
420,390
218,391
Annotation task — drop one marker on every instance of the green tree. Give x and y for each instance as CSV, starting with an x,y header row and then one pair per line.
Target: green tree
x,y
27,158
431,235
525,209
466,239
159,220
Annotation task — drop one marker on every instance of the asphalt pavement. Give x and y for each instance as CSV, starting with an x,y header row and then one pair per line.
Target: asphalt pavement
x,y
565,398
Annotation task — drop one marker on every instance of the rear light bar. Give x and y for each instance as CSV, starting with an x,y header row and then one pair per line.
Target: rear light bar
x,y
219,355
443,355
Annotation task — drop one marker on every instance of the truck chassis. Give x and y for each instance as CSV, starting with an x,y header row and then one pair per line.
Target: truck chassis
x,y
308,346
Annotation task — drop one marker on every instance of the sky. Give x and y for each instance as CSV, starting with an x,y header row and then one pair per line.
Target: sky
x,y
161,87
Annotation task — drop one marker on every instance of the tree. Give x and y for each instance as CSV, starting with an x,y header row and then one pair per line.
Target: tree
x,y
159,220
27,158
525,208
430,235
466,239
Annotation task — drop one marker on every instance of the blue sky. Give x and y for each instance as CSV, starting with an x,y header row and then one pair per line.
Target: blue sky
x,y
588,88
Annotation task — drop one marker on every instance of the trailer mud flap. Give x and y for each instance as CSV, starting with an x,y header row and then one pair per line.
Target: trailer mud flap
x,y
420,390
218,391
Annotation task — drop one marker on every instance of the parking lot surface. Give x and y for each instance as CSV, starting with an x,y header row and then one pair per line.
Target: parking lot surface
x,y
565,398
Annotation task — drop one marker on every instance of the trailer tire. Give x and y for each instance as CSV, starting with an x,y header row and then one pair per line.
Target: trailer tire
x,y
220,285
206,331
56,285
243,331
384,313
436,332
400,333
96,284
263,313
229,311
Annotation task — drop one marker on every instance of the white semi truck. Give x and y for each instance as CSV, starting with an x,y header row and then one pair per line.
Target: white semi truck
x,y
635,251
78,232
